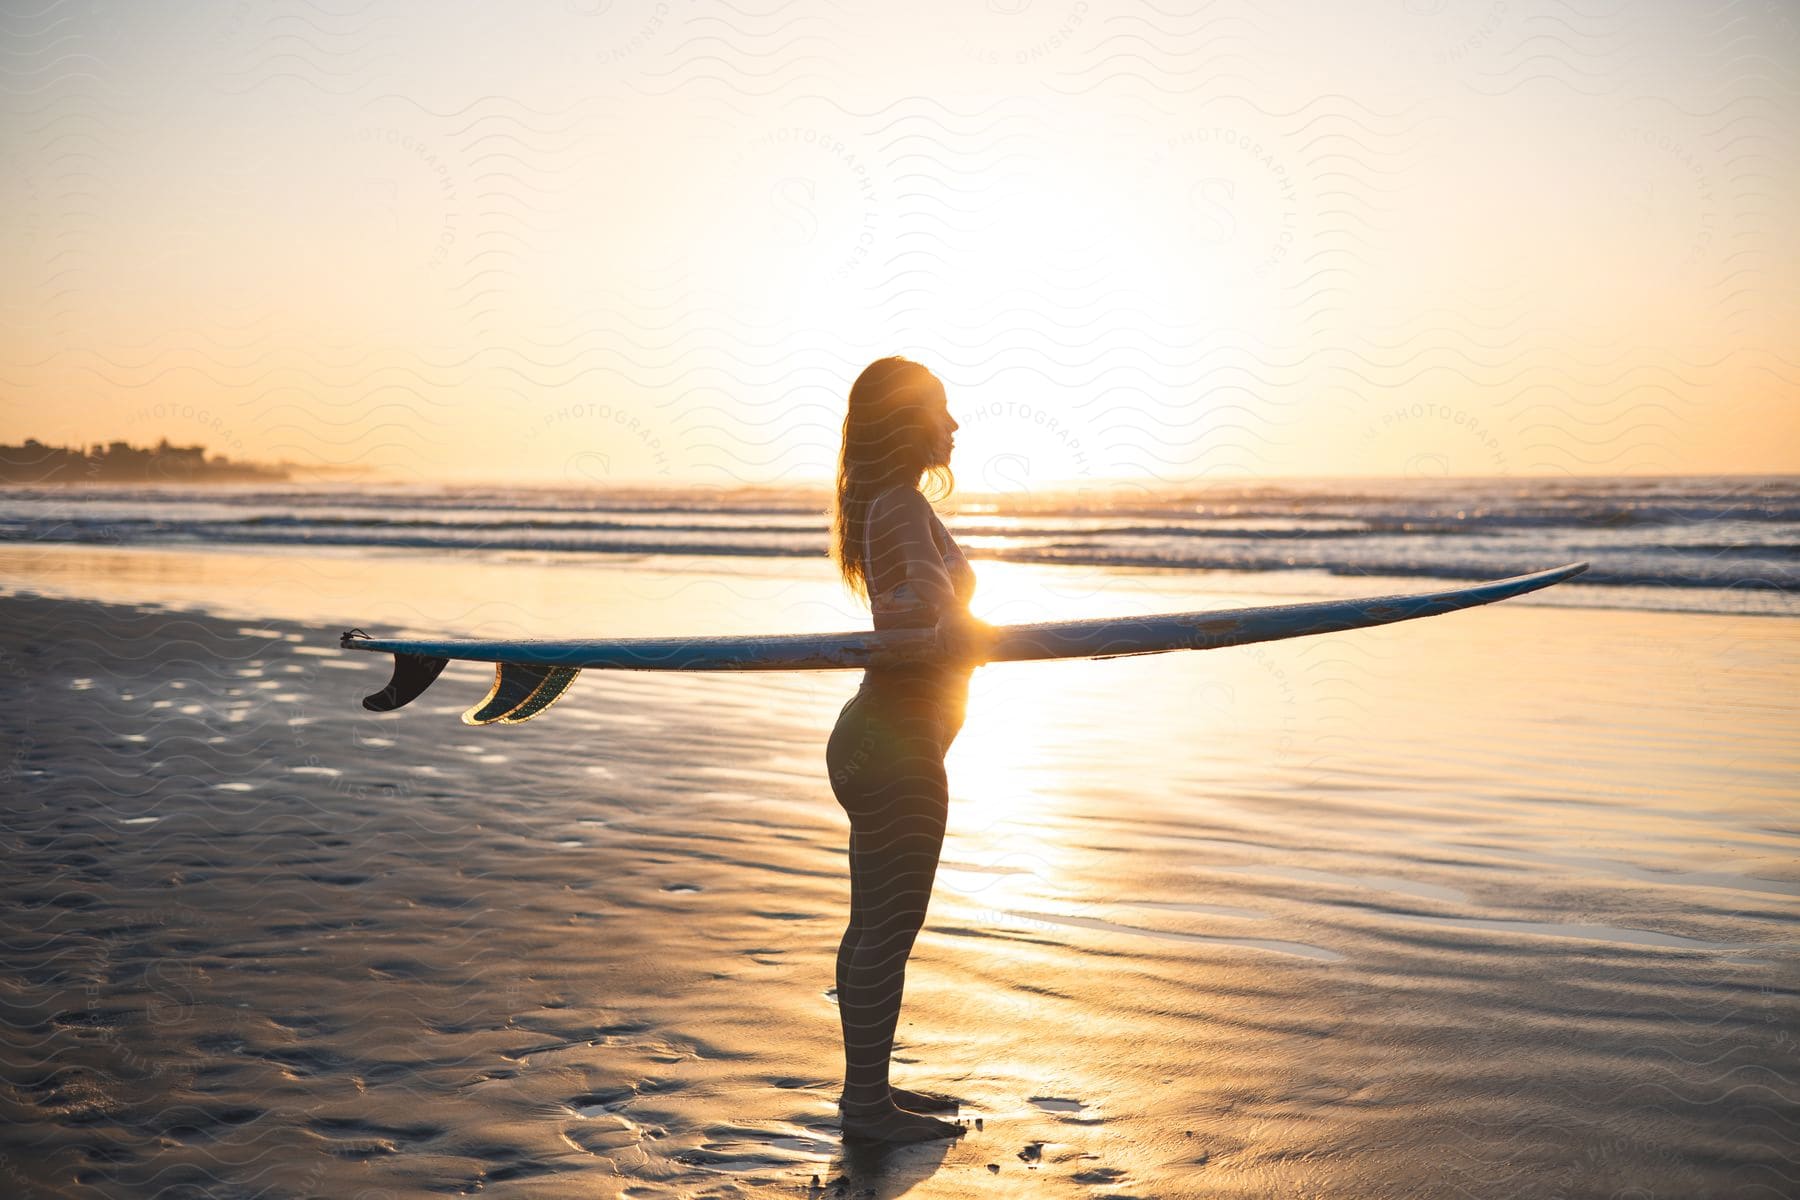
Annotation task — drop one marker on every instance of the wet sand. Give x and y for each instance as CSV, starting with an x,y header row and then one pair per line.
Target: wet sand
x,y
1492,905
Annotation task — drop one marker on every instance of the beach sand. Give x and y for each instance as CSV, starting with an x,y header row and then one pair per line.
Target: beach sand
x,y
1497,904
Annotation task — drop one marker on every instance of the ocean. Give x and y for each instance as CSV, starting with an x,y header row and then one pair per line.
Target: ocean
x,y
1722,544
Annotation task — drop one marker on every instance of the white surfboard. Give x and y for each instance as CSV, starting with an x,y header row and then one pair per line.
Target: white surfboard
x,y
530,676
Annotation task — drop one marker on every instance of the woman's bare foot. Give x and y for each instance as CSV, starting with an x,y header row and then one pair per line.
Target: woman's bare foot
x,y
890,1123
923,1101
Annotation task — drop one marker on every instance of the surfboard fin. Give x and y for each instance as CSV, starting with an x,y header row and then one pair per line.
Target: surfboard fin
x,y
413,673
513,685
521,691
546,694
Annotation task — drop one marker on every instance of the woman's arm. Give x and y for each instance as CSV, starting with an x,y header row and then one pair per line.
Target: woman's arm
x,y
900,530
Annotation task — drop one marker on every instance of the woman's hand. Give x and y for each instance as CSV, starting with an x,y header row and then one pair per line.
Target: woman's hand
x,y
962,638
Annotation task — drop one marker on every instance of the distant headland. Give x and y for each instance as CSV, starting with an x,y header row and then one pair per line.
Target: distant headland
x,y
121,462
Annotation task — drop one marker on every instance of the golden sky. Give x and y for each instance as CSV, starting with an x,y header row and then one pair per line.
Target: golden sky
x,y
654,240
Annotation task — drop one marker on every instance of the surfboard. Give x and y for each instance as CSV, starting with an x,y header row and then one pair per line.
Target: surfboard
x,y
530,676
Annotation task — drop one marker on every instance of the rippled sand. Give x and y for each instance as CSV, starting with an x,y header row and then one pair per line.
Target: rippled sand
x,y
1498,904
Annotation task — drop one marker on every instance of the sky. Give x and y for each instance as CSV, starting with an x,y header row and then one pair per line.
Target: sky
x,y
653,241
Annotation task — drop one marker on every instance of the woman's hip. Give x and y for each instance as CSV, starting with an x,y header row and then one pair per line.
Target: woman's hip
x,y
907,708
883,746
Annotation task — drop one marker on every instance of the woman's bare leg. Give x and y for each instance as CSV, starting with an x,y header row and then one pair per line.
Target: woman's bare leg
x,y
885,757
902,1097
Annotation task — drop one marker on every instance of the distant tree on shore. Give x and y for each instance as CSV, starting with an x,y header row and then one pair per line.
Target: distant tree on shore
x,y
121,462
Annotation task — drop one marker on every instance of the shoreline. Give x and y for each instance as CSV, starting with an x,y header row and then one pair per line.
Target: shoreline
x,y
71,570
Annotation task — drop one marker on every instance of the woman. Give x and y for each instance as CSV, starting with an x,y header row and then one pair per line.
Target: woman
x,y
886,754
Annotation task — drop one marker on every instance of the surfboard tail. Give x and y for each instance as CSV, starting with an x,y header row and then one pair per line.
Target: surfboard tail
x,y
521,691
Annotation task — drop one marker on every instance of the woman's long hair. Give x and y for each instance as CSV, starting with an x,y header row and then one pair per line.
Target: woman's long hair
x,y
886,443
